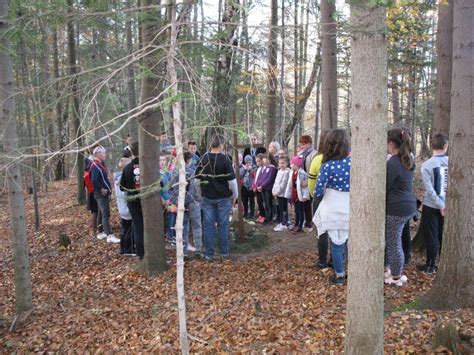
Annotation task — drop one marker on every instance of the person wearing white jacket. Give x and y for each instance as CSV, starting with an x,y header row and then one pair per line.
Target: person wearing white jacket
x,y
279,191
297,190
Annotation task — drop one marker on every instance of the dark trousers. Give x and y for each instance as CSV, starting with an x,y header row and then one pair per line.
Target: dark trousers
x,y
432,226
127,245
261,209
248,200
406,242
308,212
299,214
283,210
267,199
135,208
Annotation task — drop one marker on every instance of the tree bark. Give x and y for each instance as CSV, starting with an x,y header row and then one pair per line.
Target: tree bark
x,y
329,65
181,166
131,92
23,288
76,116
282,108
365,300
149,147
395,97
444,65
272,81
453,286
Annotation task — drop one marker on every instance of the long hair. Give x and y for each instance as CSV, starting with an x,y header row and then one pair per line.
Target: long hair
x,y
322,136
335,145
402,140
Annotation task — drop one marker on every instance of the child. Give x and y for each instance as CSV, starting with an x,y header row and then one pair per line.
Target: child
x,y
126,233
400,203
297,190
264,185
247,176
169,209
191,197
258,194
279,191
434,173
332,215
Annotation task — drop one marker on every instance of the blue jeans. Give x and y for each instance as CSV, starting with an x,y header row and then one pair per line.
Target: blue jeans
x,y
171,221
338,253
216,212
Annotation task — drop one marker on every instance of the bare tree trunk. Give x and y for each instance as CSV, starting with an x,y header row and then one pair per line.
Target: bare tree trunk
x,y
282,75
395,97
272,73
444,51
301,103
149,148
295,79
365,300
131,92
329,65
181,166
453,286
15,194
76,116
60,173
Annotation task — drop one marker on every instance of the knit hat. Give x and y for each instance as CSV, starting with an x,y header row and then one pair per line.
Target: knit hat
x,y
99,149
248,158
297,160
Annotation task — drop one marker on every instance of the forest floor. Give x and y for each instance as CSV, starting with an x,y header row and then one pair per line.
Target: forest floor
x,y
90,298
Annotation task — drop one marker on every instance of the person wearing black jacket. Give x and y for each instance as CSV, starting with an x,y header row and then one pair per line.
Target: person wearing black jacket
x,y
130,183
253,151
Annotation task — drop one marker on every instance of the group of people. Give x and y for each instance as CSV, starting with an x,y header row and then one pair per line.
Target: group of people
x,y
314,182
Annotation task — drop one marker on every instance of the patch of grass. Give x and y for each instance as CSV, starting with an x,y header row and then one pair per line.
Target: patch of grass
x,y
254,240
414,305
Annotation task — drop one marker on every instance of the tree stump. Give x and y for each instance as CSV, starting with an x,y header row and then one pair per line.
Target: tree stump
x,y
64,241
446,337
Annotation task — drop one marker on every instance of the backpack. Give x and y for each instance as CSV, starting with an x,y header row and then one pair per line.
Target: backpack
x,y
88,180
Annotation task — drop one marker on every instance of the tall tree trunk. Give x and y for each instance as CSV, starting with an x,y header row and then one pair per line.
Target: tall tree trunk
x,y
149,148
295,78
329,65
60,172
453,286
301,103
131,92
282,109
444,65
181,166
272,73
395,97
76,116
365,300
223,81
8,124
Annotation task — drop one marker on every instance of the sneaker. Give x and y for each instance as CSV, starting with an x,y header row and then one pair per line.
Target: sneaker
x,y
397,282
426,269
307,229
261,220
296,230
191,248
112,239
129,254
280,228
101,236
387,275
338,280
320,266
209,259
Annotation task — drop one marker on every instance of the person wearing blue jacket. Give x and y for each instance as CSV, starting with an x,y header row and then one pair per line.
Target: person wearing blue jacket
x,y
102,192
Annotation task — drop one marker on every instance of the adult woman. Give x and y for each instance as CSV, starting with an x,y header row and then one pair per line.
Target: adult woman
x,y
400,202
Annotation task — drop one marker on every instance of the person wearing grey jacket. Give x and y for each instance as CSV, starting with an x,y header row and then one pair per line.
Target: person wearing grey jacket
x,y
434,173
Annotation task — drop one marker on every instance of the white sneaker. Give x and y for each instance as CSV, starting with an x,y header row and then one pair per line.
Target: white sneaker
x,y
112,239
191,248
387,276
280,228
277,228
402,281
307,229
101,236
